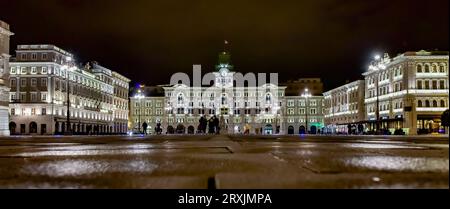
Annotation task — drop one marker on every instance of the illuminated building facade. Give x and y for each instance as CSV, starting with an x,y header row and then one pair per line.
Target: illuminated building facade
x,y
40,77
411,91
5,34
260,109
344,106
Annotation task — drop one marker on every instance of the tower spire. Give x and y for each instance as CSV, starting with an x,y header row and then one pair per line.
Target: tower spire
x,y
225,45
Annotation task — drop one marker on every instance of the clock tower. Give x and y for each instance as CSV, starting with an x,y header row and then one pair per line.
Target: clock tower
x,y
223,74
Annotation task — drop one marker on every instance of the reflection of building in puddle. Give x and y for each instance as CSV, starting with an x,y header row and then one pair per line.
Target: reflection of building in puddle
x,y
88,167
399,163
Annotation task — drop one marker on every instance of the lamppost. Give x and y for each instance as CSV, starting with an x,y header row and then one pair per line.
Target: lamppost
x,y
139,96
68,66
376,65
306,95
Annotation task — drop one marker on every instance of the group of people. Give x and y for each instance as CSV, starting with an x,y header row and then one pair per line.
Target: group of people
x,y
158,129
212,124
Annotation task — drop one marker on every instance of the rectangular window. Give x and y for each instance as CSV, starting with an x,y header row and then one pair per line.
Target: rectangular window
x,y
301,111
290,111
13,70
23,70
442,84
23,56
33,97
44,111
13,111
23,82
33,82
12,82
44,97
33,111
33,70
34,56
43,81
44,56
313,111
44,70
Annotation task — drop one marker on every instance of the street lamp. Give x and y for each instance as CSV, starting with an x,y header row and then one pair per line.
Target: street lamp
x,y
68,66
139,96
376,65
306,95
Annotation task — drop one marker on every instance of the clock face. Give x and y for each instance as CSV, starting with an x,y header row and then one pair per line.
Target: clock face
x,y
223,71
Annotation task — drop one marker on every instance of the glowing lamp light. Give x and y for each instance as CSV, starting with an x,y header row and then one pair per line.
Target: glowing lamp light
x,y
377,57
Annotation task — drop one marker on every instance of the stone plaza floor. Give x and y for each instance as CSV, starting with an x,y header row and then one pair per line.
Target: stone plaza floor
x,y
223,162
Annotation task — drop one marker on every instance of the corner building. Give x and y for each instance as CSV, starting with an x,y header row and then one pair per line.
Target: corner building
x,y
42,76
411,91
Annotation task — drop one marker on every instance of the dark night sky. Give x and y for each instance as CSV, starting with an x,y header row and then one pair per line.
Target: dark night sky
x,y
148,40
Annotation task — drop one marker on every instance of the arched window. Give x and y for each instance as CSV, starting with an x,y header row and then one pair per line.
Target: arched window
x,y
427,103
434,84
442,103
419,103
427,84
435,103
419,68
268,99
224,100
434,68
180,99
442,69
427,68
33,127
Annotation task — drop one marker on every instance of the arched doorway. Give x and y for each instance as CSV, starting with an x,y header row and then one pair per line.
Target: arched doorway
x,y
181,129
268,130
313,130
302,130
56,127
12,128
63,127
170,130
291,130
33,127
191,130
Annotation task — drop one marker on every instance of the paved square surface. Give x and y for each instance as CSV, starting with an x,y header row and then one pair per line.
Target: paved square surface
x,y
221,162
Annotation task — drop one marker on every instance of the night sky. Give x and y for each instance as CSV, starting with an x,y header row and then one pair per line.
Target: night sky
x,y
148,40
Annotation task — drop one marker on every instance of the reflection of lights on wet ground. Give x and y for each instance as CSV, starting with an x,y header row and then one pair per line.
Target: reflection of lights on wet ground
x,y
90,150
399,163
88,167
380,146
85,152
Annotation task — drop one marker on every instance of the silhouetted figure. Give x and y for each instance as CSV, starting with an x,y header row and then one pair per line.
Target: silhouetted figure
x,y
211,125
158,128
202,124
216,124
144,127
